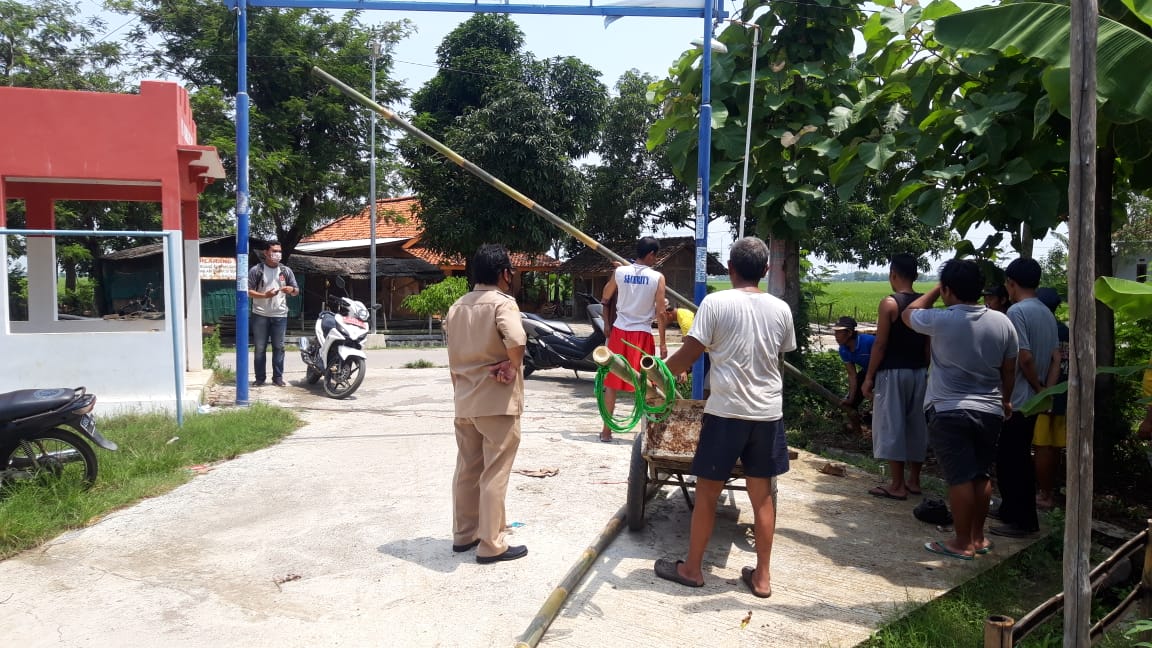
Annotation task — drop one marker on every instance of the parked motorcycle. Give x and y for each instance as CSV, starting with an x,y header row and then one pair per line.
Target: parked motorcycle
x,y
553,344
336,351
46,433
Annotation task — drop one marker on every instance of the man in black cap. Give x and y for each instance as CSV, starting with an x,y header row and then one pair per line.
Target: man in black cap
x,y
996,298
855,351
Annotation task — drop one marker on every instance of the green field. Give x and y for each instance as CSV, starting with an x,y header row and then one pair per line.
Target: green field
x,y
857,299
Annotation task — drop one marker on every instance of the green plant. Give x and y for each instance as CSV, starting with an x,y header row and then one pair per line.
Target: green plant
x,y
1141,626
154,458
212,350
419,364
436,298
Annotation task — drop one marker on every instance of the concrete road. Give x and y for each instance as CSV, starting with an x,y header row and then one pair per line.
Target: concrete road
x,y
340,536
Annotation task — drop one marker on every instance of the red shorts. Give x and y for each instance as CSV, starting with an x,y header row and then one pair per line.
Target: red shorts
x,y
616,340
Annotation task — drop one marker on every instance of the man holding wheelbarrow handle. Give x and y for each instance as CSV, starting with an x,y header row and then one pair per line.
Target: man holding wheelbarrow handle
x,y
744,330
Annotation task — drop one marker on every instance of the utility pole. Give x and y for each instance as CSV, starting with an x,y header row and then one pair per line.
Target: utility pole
x,y
375,45
1082,166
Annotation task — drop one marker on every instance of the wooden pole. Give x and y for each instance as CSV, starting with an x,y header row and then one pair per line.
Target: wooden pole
x,y
998,631
1082,323
1146,585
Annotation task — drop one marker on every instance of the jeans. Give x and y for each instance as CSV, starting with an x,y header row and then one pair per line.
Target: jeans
x,y
264,328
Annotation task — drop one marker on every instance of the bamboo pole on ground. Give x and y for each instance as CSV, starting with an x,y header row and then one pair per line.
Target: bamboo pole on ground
x,y
526,202
1082,323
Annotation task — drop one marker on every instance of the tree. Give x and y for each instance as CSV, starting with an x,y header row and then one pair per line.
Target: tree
x,y
308,145
45,44
436,298
632,188
521,119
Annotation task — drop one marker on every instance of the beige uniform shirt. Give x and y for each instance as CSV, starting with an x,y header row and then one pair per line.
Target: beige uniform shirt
x,y
480,327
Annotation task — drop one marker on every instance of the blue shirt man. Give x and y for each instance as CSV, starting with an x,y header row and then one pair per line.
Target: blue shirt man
x,y
855,351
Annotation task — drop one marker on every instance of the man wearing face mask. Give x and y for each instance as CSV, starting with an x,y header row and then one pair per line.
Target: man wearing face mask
x,y
269,285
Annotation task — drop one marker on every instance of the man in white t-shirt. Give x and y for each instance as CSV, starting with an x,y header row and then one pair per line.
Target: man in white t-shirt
x,y
269,285
745,330
639,293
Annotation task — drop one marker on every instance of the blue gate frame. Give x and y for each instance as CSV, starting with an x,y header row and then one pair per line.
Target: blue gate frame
x,y
710,10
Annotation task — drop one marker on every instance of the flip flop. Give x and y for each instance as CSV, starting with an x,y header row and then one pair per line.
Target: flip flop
x,y
666,569
985,550
938,547
880,491
912,492
746,576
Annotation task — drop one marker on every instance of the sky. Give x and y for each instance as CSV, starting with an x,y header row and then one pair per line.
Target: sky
x,y
650,45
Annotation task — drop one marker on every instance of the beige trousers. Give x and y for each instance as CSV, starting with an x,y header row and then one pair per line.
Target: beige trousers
x,y
486,447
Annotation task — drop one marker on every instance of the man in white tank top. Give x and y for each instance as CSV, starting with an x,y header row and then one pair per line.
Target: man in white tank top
x,y
639,292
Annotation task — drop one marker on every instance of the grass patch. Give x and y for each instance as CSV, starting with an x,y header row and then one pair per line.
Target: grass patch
x,y
419,364
146,465
858,299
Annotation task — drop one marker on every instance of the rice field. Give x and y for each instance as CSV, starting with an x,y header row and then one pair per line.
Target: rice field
x,y
857,299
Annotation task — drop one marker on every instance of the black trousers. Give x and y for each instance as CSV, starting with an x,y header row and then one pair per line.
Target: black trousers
x,y
1016,474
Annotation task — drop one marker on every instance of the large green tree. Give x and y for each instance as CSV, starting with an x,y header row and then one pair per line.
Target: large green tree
x,y
521,119
632,188
309,145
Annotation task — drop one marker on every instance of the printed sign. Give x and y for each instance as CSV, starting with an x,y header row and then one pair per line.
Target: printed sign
x,y
242,280
217,268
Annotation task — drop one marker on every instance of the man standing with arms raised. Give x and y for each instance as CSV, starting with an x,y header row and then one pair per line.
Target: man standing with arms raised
x,y
896,380
745,330
639,292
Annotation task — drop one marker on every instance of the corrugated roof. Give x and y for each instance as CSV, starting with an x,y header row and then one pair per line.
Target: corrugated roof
x,y
359,268
395,218
520,260
588,261
150,249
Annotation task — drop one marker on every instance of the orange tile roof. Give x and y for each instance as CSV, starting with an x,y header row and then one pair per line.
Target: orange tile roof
x,y
521,260
395,218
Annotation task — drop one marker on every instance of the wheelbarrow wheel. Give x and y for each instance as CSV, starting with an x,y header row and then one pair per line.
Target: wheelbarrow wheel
x,y
637,485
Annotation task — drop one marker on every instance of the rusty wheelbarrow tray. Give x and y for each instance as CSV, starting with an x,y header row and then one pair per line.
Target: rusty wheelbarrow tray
x,y
661,456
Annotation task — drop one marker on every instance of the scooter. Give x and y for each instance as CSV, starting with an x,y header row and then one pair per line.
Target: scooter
x,y
48,434
553,344
336,351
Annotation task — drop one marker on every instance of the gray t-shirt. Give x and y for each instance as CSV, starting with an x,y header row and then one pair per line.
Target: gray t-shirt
x,y
262,278
969,345
1037,333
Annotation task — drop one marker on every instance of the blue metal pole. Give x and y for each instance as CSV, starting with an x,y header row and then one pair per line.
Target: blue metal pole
x,y
242,203
704,162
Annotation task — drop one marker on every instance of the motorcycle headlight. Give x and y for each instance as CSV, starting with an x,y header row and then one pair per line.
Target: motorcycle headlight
x,y
360,313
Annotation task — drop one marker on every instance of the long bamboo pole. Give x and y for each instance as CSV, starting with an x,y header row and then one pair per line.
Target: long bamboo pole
x,y
530,204
620,368
1146,584
1082,322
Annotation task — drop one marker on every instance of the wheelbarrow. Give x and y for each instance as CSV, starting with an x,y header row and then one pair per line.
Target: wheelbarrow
x,y
662,455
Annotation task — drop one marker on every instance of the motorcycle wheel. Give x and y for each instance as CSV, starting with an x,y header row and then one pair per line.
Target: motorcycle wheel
x,y
347,379
529,368
55,454
312,376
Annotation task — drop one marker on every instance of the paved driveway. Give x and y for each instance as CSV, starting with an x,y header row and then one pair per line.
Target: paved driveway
x,y
340,536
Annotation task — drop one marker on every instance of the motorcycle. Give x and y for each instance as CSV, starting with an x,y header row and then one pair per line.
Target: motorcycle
x,y
49,433
553,344
336,351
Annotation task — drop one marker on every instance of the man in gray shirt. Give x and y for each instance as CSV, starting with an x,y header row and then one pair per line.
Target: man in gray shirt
x,y
969,383
269,284
1038,335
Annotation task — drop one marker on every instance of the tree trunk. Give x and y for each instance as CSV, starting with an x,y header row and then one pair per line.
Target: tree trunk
x,y
792,275
1105,319
69,276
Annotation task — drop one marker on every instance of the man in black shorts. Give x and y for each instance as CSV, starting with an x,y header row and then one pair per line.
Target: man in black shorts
x,y
969,395
744,330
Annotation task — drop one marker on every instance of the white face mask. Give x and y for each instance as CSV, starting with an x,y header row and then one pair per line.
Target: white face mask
x,y
275,256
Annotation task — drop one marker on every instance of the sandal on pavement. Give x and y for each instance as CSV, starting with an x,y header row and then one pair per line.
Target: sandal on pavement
x,y
938,547
667,569
746,575
881,491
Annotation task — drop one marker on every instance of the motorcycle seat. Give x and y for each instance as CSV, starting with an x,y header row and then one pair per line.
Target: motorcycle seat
x,y
27,402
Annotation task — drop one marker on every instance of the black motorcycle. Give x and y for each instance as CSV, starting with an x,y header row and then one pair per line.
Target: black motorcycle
x,y
553,344
46,434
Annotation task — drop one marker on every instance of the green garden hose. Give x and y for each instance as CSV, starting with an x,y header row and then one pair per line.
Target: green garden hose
x,y
640,405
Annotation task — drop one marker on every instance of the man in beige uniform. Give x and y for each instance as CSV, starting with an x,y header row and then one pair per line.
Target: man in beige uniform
x,y
485,354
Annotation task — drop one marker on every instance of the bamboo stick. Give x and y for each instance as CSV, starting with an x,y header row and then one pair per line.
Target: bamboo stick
x,y
619,367
665,385
998,632
527,202
1146,583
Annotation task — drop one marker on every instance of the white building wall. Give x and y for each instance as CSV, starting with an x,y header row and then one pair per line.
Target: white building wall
x,y
129,365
